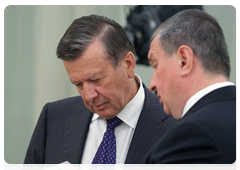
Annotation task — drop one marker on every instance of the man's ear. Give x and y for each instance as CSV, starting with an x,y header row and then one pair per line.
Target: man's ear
x,y
129,63
185,54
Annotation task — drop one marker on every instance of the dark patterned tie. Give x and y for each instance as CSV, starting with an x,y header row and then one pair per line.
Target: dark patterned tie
x,y
106,153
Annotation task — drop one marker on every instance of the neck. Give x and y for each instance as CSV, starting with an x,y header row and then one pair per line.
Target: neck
x,y
134,86
204,81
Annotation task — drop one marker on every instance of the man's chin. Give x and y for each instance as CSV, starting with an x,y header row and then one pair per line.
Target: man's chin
x,y
166,110
107,113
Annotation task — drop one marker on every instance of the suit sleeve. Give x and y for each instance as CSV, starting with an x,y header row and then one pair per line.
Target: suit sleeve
x,y
187,143
36,149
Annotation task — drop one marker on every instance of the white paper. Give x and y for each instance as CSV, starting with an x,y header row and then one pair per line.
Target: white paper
x,y
62,166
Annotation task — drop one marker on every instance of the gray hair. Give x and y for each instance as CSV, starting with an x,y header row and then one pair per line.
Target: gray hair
x,y
202,33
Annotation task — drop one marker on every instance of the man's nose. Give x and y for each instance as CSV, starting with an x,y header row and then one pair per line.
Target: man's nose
x,y
90,92
152,84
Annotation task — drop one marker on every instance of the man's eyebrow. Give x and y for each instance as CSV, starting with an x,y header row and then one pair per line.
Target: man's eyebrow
x,y
75,82
89,78
94,75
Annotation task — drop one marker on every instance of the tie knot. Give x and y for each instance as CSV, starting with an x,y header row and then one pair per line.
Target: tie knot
x,y
112,123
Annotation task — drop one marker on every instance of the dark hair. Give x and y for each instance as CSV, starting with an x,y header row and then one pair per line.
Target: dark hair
x,y
199,31
83,31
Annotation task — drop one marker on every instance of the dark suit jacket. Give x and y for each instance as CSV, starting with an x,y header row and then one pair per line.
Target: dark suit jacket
x,y
62,128
206,134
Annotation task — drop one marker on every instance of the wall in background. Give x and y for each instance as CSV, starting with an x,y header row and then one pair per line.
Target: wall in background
x,y
34,76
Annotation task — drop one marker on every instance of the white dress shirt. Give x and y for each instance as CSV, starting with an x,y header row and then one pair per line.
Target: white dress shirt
x,y
192,100
123,133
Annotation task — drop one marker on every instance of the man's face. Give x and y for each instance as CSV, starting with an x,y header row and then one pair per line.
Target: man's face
x,y
165,77
103,88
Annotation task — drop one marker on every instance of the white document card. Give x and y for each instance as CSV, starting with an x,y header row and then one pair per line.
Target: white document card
x,y
62,166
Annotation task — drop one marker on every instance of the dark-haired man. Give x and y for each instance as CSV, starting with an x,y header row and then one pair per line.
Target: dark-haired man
x,y
116,119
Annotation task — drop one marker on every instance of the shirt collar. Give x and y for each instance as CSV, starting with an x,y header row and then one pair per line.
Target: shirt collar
x,y
192,100
132,110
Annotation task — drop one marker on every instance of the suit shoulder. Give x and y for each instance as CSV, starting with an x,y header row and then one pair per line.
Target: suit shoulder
x,y
65,107
69,100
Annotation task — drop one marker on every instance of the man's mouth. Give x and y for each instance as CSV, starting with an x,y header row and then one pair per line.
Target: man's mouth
x,y
160,99
99,106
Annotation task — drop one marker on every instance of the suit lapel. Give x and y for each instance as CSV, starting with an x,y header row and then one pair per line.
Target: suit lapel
x,y
149,128
75,133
